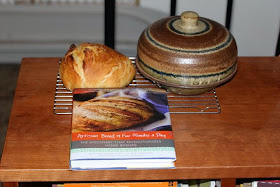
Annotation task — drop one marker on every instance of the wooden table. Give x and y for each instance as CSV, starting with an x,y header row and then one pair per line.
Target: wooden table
x,y
243,141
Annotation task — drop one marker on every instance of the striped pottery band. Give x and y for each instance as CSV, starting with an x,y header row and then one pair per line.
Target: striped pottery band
x,y
212,49
183,79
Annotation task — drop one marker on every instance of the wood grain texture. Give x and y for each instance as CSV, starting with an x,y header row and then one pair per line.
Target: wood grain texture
x,y
10,184
228,182
243,141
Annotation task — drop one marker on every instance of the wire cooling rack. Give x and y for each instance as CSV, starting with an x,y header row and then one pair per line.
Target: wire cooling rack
x,y
178,104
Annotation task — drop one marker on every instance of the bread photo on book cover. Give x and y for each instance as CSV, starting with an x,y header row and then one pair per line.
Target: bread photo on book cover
x,y
113,113
90,65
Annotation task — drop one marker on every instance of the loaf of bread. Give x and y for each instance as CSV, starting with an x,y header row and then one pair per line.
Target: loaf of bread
x,y
95,66
112,113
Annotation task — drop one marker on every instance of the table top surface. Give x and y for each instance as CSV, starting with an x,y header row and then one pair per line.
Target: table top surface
x,y
243,141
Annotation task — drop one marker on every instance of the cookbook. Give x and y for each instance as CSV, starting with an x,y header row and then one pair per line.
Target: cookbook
x,y
121,129
124,184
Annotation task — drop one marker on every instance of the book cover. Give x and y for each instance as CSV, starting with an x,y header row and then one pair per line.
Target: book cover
x,y
121,129
247,184
207,183
125,184
266,183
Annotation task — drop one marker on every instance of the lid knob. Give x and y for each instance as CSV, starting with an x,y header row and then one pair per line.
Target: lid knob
x,y
189,20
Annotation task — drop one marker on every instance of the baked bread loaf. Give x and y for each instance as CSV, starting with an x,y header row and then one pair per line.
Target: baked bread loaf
x,y
95,66
112,113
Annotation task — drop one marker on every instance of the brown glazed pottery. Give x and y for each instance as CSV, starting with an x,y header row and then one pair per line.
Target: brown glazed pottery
x,y
187,54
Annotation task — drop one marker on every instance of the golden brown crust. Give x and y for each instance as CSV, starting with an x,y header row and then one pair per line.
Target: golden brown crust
x,y
111,113
95,66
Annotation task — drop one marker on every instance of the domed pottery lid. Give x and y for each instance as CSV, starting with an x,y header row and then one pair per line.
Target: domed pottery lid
x,y
187,51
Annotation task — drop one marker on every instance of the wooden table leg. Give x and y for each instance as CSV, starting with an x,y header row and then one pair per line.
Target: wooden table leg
x,y
228,182
10,184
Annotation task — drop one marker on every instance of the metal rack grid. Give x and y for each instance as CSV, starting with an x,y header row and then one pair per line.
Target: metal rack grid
x,y
206,103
